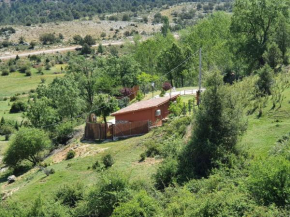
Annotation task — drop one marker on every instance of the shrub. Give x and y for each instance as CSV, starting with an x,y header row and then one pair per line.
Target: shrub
x,y
166,173
108,160
140,205
96,165
269,181
111,190
28,73
166,86
13,98
152,149
64,132
18,107
142,157
70,155
5,72
69,195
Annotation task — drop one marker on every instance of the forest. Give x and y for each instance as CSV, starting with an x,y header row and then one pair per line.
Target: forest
x,y
229,156
32,12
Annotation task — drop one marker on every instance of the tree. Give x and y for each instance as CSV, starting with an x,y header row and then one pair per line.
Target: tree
x,y
26,145
265,80
88,39
282,37
104,105
41,114
100,49
217,125
47,38
86,49
170,59
84,74
65,96
129,70
78,39
253,24
166,27
273,55
144,81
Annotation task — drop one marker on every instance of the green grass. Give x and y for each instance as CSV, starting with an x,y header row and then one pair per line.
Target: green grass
x,y
263,133
18,83
126,154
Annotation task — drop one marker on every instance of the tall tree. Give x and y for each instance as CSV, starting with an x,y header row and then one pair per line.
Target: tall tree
x,y
253,25
170,59
84,73
217,125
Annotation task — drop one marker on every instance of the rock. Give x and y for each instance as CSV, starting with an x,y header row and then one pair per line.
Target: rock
x,y
11,179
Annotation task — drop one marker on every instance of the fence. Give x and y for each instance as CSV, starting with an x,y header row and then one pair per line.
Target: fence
x,y
98,131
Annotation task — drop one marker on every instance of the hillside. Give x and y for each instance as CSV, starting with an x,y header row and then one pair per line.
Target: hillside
x,y
32,11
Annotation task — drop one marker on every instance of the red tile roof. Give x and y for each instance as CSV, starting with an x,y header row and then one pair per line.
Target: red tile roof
x,y
145,104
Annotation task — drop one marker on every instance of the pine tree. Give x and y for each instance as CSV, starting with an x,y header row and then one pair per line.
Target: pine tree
x,y
217,126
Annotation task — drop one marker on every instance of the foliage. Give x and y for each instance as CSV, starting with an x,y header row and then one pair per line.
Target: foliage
x,y
166,86
269,181
70,195
108,160
140,205
64,132
166,173
265,80
70,155
175,108
110,191
27,144
273,55
47,38
217,126
18,107
104,105
253,25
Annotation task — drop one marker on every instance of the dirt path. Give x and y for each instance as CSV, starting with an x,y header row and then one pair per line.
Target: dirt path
x,y
56,50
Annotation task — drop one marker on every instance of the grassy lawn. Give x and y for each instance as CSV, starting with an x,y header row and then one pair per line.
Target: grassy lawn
x,y
18,83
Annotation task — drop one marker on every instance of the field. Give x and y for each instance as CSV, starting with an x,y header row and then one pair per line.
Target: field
x,y
18,83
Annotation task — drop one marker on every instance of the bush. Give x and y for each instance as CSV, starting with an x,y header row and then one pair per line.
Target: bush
x,y
142,157
140,205
28,73
13,98
64,132
166,86
69,195
18,107
108,160
110,191
70,155
152,149
5,72
96,165
166,173
269,181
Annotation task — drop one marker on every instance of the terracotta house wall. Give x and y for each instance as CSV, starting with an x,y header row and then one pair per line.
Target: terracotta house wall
x,y
146,114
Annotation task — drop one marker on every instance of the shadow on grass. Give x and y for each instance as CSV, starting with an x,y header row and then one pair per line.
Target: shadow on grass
x,y
18,171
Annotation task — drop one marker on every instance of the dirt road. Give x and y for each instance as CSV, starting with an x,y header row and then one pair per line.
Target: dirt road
x,y
56,50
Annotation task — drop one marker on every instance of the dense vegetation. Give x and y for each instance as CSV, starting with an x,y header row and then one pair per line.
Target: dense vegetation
x,y
31,11
205,167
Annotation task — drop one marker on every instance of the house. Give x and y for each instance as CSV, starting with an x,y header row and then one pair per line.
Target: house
x,y
152,110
